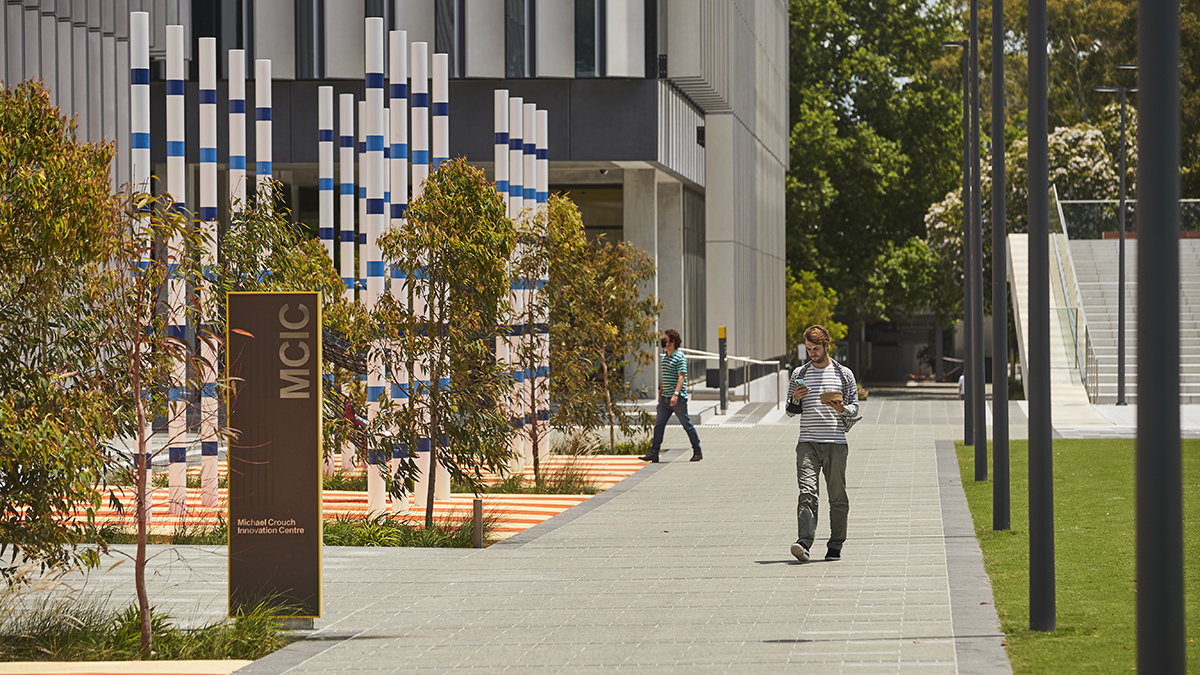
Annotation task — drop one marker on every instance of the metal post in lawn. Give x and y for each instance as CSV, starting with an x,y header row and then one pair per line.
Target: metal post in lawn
x,y
1161,638
1001,511
1037,390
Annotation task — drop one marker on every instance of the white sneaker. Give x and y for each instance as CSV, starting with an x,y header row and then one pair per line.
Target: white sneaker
x,y
800,552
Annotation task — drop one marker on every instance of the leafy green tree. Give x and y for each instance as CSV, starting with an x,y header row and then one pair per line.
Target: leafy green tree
x,y
810,303
1080,168
58,220
874,140
547,233
453,255
602,329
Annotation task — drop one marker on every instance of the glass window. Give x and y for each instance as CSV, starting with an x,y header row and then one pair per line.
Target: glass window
x,y
585,38
516,38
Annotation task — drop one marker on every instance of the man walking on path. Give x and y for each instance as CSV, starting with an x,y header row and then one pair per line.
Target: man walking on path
x,y
673,380
828,400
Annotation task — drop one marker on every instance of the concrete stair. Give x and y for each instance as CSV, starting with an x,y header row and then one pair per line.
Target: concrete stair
x,y
1096,269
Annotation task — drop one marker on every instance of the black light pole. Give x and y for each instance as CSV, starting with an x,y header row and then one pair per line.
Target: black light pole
x,y
968,414
1161,638
978,392
1037,380
1001,518
1121,245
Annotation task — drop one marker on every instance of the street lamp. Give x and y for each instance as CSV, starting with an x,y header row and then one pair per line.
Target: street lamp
x,y
968,295
1121,241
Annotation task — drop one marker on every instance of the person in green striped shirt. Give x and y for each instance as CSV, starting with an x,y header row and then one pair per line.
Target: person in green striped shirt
x,y
672,397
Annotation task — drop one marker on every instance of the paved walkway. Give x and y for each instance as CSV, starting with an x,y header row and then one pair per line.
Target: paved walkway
x,y
683,567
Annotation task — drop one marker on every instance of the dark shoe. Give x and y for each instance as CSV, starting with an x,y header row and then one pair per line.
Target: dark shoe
x,y
800,552
651,457
697,456
833,554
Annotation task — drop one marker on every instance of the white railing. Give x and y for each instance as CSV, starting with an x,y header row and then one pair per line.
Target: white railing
x,y
695,354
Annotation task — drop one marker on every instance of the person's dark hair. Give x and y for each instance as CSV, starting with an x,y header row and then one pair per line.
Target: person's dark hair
x,y
673,336
817,335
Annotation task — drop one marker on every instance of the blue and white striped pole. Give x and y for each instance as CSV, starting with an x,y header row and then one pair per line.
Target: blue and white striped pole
x,y
373,178
325,165
262,133
139,127
346,236
441,110
420,116
325,189
419,144
362,201
176,288
500,113
516,156
208,260
516,201
529,203
541,334
543,157
386,176
504,352
347,202
398,94
529,157
237,132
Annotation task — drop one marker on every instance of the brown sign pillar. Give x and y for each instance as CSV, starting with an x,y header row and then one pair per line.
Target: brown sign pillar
x,y
274,360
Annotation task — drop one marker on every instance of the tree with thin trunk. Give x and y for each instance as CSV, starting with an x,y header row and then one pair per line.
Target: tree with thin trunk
x,y
602,326
436,335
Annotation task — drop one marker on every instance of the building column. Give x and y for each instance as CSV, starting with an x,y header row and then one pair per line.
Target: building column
x,y
670,259
721,246
641,229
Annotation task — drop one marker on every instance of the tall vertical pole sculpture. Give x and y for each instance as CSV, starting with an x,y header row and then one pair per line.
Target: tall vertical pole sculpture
x,y
373,180
1162,640
176,288
237,132
139,124
440,126
440,110
1001,519
325,191
362,201
541,334
529,155
504,337
398,94
529,203
262,133
978,392
500,114
516,201
208,222
346,236
419,93
325,165
346,198
1037,374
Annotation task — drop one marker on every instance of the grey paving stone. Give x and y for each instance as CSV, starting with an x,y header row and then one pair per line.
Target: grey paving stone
x,y
683,567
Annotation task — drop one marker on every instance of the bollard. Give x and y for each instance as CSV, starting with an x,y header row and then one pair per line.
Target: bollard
x,y
477,522
724,369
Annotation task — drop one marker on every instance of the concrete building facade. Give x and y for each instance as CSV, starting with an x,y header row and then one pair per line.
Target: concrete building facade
x,y
668,118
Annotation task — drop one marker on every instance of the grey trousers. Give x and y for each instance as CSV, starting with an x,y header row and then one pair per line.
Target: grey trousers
x,y
813,459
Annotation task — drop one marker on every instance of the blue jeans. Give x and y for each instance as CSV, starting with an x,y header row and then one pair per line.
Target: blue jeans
x,y
663,415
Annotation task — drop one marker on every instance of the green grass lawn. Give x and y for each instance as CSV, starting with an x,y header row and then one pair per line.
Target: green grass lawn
x,y
1094,556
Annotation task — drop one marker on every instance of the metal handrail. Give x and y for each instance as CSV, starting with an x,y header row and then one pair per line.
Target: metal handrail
x,y
697,354
1070,289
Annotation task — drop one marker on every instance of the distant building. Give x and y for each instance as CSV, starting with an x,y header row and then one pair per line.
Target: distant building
x,y
668,118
